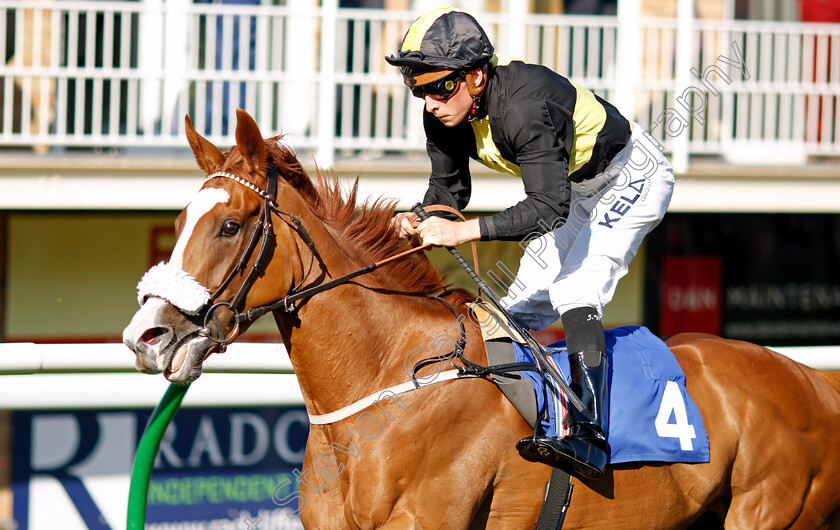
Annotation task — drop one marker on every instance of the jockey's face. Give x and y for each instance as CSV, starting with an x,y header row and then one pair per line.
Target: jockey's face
x,y
454,109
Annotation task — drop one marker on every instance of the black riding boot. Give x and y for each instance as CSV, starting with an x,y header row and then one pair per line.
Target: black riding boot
x,y
585,449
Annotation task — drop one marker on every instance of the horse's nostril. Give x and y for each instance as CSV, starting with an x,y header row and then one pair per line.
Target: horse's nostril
x,y
152,335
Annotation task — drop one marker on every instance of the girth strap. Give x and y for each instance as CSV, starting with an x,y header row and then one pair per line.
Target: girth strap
x,y
558,496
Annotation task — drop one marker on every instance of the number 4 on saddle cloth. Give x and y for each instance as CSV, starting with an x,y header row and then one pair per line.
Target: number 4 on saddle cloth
x,y
652,418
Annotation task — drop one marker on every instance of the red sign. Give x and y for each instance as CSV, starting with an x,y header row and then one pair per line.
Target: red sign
x,y
691,295
820,10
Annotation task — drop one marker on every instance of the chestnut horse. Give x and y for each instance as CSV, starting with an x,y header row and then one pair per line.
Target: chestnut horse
x,y
443,455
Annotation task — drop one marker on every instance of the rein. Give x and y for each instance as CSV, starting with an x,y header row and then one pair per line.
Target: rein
x,y
288,302
263,232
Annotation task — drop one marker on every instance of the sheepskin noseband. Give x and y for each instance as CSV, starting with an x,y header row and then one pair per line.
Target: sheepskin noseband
x,y
175,286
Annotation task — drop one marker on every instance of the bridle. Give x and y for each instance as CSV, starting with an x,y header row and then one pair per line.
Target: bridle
x,y
263,232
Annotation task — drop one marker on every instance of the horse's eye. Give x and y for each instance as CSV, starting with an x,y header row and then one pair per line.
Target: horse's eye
x,y
230,229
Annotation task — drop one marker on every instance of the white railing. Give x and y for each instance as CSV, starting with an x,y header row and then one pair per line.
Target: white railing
x,y
35,376
124,74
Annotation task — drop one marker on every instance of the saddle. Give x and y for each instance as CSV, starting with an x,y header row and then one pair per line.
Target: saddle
x,y
499,339
653,417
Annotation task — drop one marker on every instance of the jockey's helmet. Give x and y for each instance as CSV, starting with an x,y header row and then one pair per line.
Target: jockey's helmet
x,y
440,42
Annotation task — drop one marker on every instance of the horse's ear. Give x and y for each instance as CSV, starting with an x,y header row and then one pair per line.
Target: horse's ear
x,y
250,142
206,154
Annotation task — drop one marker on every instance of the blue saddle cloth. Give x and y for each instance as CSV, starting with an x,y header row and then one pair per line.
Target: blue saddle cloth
x,y
651,416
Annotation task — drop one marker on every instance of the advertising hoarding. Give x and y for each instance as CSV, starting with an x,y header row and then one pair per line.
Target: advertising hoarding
x,y
216,468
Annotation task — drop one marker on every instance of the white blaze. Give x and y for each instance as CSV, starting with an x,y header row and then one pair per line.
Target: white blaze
x,y
205,201
168,280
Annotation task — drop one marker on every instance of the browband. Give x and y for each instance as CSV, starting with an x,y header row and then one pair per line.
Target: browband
x,y
267,195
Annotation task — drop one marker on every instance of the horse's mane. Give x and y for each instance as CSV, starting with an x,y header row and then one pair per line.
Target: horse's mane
x,y
367,225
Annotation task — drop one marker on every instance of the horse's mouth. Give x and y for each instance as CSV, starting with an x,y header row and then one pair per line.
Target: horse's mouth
x,y
185,363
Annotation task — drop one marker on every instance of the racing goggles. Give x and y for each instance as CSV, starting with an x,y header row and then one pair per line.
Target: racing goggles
x,y
440,89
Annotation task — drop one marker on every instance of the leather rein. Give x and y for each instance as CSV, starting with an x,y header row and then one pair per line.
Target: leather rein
x,y
263,233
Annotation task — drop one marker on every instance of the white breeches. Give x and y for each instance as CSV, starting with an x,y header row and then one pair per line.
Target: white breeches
x,y
579,263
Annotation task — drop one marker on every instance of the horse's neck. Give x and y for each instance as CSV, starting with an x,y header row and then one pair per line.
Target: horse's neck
x,y
342,353
351,341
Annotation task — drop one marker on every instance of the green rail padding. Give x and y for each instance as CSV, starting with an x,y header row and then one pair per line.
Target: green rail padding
x,y
144,458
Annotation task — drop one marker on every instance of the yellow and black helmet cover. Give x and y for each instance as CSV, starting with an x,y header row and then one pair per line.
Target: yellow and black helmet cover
x,y
442,39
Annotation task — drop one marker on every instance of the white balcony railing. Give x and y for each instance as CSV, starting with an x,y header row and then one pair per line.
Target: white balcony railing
x,y
124,74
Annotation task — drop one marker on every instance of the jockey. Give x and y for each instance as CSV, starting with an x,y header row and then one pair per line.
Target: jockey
x,y
595,184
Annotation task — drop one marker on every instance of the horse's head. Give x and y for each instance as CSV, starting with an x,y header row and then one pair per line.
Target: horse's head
x,y
225,242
